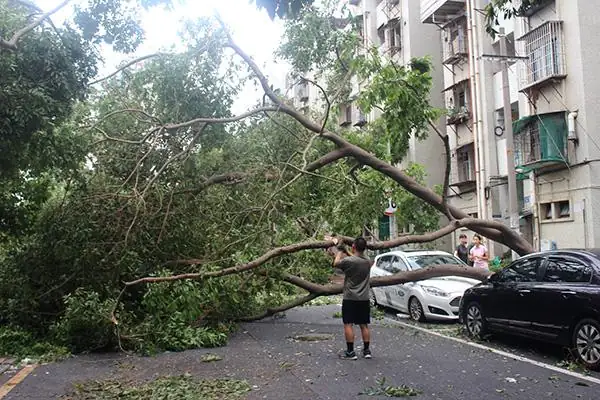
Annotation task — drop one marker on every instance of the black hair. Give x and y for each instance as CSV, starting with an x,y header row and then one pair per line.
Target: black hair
x,y
478,237
462,235
360,244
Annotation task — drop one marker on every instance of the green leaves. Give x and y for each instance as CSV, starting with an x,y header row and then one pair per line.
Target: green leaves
x,y
401,93
174,387
381,389
506,9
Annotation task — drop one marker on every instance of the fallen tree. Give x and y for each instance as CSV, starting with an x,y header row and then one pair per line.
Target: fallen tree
x,y
344,149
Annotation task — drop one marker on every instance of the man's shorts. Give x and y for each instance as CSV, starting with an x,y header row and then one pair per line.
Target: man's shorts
x,y
356,312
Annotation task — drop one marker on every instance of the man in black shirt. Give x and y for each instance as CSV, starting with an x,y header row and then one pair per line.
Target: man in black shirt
x,y
462,251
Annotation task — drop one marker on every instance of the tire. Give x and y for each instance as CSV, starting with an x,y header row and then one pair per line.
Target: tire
x,y
373,298
474,321
586,343
415,310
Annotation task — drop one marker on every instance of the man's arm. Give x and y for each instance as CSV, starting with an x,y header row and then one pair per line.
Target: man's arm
x,y
338,261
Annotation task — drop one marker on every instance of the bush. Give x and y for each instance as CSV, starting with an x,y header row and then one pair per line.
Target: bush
x,y
86,323
16,342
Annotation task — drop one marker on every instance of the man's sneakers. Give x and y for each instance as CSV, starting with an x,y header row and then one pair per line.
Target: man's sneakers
x,y
349,355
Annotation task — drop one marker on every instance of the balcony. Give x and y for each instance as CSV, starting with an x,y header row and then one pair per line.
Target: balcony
x,y
455,50
540,141
544,49
457,115
440,11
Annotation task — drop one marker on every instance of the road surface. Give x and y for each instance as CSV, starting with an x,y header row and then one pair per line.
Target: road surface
x,y
296,357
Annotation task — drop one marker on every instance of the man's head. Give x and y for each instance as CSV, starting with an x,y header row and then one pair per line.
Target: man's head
x,y
359,245
463,239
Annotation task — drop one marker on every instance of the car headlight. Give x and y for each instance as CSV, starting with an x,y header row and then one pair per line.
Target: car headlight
x,y
435,291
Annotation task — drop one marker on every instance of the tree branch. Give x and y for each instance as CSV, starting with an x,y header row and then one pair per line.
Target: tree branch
x,y
125,66
228,179
313,245
272,311
220,120
327,159
12,43
446,186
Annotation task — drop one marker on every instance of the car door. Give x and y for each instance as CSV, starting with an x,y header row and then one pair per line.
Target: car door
x,y
381,269
398,293
509,302
564,283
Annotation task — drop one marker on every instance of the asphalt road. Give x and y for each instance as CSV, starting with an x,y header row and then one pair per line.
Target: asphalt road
x,y
296,357
533,349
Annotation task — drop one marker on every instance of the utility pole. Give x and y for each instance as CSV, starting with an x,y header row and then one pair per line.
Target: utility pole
x,y
513,211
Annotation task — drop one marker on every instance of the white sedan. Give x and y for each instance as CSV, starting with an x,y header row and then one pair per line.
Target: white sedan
x,y
434,299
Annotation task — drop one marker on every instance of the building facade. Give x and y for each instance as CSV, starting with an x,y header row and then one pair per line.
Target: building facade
x,y
553,95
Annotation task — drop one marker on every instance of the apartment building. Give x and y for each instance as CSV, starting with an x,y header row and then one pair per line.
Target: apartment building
x,y
554,97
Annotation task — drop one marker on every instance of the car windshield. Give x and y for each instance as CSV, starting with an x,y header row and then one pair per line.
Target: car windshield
x,y
424,260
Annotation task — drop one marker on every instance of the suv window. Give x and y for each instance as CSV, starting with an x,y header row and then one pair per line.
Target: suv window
x,y
522,271
564,269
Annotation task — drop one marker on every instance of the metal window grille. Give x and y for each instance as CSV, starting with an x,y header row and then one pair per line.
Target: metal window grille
x,y
545,53
528,149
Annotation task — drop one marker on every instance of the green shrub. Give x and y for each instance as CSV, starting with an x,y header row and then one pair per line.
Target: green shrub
x,y
86,323
16,342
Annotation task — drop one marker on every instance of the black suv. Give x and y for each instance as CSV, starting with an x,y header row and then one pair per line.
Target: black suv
x,y
553,296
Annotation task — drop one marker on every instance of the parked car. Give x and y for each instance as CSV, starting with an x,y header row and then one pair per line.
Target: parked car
x,y
433,299
552,296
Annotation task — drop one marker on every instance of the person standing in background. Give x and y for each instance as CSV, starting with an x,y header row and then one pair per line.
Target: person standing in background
x,y
479,253
462,251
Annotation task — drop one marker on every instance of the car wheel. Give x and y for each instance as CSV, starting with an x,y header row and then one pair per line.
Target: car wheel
x,y
373,298
586,342
474,321
415,310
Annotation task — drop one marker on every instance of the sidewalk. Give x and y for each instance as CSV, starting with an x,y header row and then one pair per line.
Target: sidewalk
x,y
281,362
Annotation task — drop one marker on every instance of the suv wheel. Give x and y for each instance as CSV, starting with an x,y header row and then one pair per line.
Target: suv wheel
x,y
415,310
474,321
586,342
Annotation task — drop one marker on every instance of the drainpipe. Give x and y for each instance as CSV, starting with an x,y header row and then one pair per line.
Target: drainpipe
x,y
474,112
536,214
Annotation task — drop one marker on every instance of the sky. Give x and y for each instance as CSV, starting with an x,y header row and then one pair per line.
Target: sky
x,y
252,30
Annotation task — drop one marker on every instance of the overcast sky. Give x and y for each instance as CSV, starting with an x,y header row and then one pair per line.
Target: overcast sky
x,y
252,30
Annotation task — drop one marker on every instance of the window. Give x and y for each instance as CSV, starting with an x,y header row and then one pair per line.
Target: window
x,y
522,271
394,33
564,209
465,164
397,265
384,262
557,210
543,47
381,35
564,269
422,261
